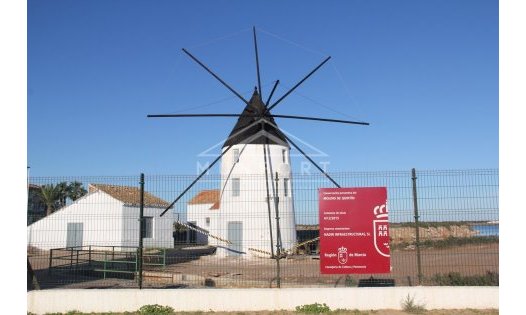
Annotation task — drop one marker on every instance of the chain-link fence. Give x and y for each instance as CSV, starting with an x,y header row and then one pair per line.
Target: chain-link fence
x,y
85,232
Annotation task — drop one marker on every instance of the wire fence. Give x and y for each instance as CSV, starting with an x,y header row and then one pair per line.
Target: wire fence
x,y
84,232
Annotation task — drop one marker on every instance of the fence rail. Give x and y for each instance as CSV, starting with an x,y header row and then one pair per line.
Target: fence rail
x,y
443,229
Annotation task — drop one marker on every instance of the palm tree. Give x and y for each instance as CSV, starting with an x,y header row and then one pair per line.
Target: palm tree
x,y
75,190
63,190
50,195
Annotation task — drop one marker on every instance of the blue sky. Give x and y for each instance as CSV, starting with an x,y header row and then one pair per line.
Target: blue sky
x,y
423,73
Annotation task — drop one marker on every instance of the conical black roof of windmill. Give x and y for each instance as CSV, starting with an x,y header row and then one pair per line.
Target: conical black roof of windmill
x,y
249,126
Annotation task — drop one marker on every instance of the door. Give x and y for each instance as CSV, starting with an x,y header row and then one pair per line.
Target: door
x,y
235,236
74,236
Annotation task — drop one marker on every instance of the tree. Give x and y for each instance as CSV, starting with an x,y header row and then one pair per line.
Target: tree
x,y
63,192
51,196
55,196
75,190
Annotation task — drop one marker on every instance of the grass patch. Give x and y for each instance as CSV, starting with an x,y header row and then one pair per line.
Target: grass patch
x,y
315,308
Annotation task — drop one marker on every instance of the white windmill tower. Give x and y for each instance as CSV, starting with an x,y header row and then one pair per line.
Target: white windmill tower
x,y
256,185
254,209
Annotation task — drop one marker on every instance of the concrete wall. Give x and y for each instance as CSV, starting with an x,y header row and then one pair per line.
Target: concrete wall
x,y
100,214
121,300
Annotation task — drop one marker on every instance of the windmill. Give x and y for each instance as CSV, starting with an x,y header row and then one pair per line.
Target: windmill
x,y
256,145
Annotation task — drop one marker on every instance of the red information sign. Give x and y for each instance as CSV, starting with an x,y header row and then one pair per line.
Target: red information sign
x,y
354,230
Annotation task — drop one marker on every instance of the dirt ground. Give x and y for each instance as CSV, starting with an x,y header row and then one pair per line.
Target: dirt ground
x,y
196,267
375,312
350,312
304,270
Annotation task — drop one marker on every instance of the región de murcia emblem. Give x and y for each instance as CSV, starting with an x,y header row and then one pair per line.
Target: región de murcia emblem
x,y
342,255
381,230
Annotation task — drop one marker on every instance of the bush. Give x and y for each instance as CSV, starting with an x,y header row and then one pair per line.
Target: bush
x,y
410,306
456,279
450,242
155,309
315,308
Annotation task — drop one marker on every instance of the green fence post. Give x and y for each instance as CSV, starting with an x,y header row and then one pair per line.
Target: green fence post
x,y
50,262
417,230
141,214
89,256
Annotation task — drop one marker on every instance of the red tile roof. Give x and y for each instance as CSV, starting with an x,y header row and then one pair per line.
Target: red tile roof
x,y
215,206
130,196
205,197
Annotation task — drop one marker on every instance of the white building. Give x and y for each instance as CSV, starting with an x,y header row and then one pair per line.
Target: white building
x,y
239,210
107,216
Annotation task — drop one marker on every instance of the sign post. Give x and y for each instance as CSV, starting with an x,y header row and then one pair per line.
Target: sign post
x,y
354,230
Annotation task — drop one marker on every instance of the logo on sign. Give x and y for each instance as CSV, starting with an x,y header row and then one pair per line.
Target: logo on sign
x,y
342,255
381,230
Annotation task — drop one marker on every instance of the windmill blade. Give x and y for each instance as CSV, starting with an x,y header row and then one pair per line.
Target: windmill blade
x,y
299,83
257,62
272,93
310,160
245,115
215,76
193,115
196,180
322,119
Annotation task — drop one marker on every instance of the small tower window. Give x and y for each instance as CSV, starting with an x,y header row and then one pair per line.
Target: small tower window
x,y
207,220
285,187
236,155
284,156
236,185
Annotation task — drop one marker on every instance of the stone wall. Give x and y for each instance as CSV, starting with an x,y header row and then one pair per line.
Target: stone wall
x,y
408,234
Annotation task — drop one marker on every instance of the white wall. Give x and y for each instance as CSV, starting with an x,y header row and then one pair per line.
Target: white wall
x,y
121,300
162,227
198,213
250,207
100,214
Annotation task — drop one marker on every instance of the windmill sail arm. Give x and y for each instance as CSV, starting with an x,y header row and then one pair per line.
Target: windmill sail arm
x,y
298,84
272,93
195,181
191,115
313,163
257,62
255,115
322,119
215,76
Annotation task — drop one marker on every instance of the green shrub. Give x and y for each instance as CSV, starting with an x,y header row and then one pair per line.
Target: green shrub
x,y
456,279
315,308
155,309
410,306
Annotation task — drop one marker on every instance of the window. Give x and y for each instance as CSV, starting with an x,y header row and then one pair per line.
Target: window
x,y
207,220
235,187
284,155
236,155
285,187
147,227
